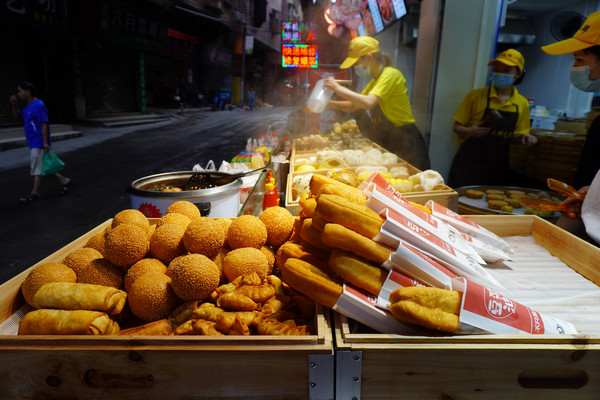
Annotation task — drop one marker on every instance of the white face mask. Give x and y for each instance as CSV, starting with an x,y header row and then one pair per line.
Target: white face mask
x,y
362,71
580,78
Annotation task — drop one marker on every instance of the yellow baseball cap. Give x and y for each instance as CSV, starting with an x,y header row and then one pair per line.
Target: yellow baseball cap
x,y
510,57
359,46
587,36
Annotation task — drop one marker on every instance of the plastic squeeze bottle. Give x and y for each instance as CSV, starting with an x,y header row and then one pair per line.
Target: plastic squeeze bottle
x,y
271,197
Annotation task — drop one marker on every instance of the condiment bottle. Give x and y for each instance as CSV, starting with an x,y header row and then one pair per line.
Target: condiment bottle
x,y
271,197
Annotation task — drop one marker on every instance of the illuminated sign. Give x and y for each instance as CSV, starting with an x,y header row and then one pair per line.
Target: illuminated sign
x,y
299,55
291,31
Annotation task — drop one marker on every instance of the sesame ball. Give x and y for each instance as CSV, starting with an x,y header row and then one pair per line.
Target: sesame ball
x,y
167,242
194,277
186,208
77,259
174,218
247,231
245,260
279,223
126,244
101,271
151,297
142,267
131,216
204,236
44,273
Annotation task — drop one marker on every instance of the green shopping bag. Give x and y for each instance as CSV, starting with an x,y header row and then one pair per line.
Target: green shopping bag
x,y
51,164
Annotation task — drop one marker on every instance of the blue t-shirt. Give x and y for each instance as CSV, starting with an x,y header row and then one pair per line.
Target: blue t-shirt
x,y
34,114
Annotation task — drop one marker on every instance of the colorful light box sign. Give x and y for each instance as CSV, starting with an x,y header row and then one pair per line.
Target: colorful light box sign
x,y
291,31
299,55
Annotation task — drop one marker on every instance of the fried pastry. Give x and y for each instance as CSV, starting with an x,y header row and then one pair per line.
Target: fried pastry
x,y
357,217
340,237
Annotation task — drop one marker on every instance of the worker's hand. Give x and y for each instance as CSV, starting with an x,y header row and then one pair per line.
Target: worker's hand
x,y
13,99
479,130
330,83
575,203
528,140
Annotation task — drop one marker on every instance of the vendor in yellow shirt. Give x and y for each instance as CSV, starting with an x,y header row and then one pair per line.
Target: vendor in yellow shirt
x,y
385,98
488,120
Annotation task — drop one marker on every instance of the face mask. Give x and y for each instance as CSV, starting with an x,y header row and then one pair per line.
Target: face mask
x,y
502,81
362,71
580,78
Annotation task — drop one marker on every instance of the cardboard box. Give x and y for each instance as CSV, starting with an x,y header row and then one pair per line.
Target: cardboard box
x,y
161,367
379,366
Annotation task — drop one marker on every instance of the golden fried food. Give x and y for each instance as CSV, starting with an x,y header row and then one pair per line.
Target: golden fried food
x,y
126,244
298,221
204,236
446,300
515,194
273,327
432,308
151,297
80,296
77,259
350,193
340,237
244,260
142,267
174,218
312,235
218,260
514,202
236,301
474,194
154,328
318,180
247,231
131,216
44,273
309,280
357,217
194,277
258,294
67,322
308,206
413,313
357,271
184,207
318,222
270,258
102,272
207,311
205,328
167,242
279,223
494,191
294,250
489,197
96,242
496,204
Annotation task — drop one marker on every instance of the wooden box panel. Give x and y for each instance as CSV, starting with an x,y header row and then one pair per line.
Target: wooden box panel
x,y
156,367
481,366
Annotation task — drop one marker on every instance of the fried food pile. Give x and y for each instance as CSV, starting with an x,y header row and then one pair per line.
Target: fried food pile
x,y
186,274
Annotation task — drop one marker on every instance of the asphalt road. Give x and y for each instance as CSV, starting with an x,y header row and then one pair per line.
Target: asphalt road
x,y
102,164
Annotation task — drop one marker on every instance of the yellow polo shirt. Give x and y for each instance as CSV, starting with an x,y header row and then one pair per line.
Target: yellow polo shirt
x,y
473,106
390,87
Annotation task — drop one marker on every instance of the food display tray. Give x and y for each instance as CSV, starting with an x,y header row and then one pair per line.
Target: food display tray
x,y
160,367
371,365
447,197
467,205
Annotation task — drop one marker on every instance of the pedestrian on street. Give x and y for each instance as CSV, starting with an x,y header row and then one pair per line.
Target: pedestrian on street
x,y
34,113
251,99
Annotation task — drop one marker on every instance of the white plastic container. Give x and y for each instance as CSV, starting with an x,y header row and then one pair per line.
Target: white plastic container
x,y
319,97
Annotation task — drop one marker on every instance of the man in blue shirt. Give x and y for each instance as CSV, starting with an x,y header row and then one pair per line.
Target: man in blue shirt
x,y
37,133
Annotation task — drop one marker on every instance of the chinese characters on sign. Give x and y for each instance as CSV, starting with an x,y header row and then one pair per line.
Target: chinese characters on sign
x,y
299,56
291,31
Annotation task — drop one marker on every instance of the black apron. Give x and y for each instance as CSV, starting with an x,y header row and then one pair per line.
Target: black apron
x,y
405,141
485,160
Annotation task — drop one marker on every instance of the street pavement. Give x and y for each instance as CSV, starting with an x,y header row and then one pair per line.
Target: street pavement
x,y
102,163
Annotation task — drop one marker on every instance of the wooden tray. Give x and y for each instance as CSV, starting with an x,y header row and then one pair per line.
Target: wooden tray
x,y
447,197
378,366
160,367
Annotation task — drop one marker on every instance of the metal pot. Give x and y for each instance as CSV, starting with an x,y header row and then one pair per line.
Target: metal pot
x,y
148,195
